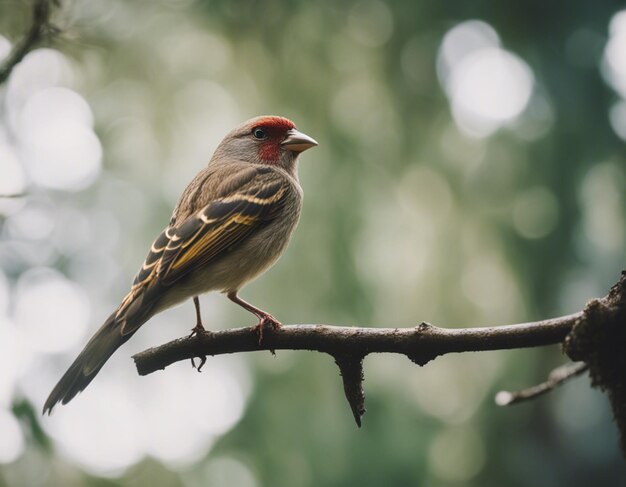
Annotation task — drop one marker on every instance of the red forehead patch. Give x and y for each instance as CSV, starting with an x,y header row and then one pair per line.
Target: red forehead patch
x,y
278,124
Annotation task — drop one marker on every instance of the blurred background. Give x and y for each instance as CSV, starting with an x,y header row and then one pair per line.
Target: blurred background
x,y
470,172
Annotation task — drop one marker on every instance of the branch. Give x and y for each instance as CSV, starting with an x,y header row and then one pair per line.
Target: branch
x,y
600,341
350,345
40,29
595,336
557,377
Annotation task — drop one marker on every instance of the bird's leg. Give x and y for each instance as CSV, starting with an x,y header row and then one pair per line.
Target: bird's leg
x,y
199,327
196,330
264,318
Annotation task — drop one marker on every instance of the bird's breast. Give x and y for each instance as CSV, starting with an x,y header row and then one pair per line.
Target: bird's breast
x,y
249,258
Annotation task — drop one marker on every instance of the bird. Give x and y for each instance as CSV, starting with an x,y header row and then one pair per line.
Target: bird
x,y
231,223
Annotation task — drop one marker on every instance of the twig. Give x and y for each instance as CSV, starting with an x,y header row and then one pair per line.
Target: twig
x,y
421,343
351,370
557,377
594,336
39,30
350,345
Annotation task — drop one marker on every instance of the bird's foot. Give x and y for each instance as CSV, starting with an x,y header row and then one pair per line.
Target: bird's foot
x,y
202,362
197,330
266,319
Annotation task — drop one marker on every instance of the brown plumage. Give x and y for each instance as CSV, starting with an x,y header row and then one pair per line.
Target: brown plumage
x,y
232,222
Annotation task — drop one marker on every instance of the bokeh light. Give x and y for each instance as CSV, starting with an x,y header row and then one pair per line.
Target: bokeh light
x,y
53,124
65,155
40,69
5,47
49,105
12,444
225,471
457,454
9,359
535,212
188,412
13,181
617,117
84,432
488,86
51,312
370,22
615,54
602,201
33,222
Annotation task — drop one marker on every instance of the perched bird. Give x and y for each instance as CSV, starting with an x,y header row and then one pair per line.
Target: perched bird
x,y
232,222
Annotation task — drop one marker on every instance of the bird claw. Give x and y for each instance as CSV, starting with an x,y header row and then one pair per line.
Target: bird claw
x,y
202,362
266,320
197,330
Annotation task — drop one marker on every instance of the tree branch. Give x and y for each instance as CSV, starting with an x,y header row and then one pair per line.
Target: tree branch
x,y
595,336
40,29
600,341
350,345
557,377
420,344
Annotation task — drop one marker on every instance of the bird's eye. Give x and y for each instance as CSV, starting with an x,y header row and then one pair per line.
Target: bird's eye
x,y
259,134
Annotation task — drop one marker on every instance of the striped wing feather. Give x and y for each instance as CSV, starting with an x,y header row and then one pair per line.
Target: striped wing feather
x,y
217,227
201,238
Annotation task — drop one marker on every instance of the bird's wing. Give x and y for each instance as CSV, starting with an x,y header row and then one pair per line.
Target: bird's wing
x,y
203,237
220,225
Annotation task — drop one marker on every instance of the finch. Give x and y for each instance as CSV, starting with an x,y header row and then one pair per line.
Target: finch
x,y
232,222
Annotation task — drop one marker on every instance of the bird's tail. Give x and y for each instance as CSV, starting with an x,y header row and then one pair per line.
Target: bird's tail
x,y
102,345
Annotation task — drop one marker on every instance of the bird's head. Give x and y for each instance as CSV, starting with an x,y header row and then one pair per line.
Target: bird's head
x,y
267,140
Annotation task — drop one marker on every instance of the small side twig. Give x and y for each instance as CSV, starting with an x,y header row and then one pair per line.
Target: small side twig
x,y
351,370
40,29
557,377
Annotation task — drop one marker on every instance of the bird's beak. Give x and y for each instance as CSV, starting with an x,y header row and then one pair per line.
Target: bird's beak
x,y
297,141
